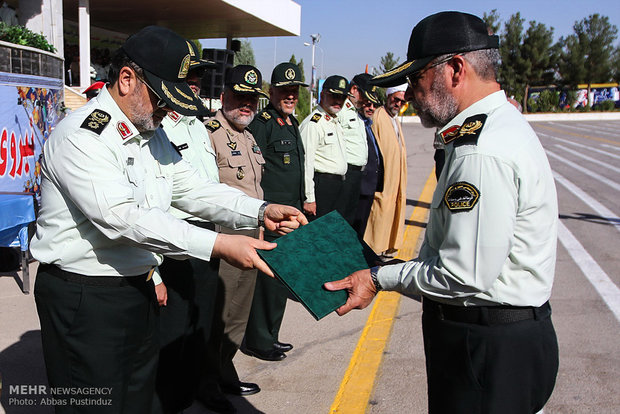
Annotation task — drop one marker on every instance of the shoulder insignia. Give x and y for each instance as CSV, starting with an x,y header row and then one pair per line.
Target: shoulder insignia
x,y
470,130
264,116
461,196
213,125
96,121
315,117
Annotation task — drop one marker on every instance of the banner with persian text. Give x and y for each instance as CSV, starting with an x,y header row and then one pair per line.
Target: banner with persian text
x,y
30,107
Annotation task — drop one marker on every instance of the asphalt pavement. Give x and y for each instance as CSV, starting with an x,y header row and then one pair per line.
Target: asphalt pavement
x,y
372,360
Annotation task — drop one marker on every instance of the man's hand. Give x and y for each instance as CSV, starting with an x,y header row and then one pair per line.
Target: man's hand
x,y
162,294
310,208
240,251
360,288
283,219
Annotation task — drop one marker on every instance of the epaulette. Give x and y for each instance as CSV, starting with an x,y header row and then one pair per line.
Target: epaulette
x,y
470,130
315,117
213,125
264,116
96,121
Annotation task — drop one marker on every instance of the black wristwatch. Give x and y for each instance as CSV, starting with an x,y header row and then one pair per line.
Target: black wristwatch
x,y
261,214
373,277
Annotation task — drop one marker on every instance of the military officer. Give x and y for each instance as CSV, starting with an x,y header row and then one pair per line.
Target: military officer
x,y
356,145
276,131
187,288
325,164
240,164
486,267
109,177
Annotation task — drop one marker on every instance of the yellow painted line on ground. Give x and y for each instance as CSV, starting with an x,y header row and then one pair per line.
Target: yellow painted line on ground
x,y
359,379
608,141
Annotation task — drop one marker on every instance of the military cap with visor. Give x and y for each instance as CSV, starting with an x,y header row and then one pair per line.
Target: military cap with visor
x,y
362,81
439,34
336,84
244,79
195,61
164,56
286,74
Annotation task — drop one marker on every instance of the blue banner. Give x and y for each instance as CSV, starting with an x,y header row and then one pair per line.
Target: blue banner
x,y
30,107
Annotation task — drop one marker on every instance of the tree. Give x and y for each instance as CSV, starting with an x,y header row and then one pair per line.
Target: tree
x,y
616,65
511,72
492,21
303,106
536,56
245,55
387,63
587,54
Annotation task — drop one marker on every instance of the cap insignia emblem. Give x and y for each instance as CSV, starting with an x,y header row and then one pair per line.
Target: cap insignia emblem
x,y
251,77
184,67
191,49
342,84
289,74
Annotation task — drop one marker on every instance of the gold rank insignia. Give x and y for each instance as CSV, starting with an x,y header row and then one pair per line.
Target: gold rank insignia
x,y
240,173
289,74
213,125
470,130
315,117
96,121
266,116
232,145
184,67
461,196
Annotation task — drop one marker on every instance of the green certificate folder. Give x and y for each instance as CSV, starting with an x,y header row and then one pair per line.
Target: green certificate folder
x,y
324,250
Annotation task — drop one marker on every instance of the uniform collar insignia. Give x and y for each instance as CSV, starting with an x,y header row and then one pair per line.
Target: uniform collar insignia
x,y
450,134
175,117
124,130
281,121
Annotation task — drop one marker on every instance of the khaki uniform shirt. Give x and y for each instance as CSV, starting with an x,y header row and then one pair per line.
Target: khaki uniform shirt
x,y
324,146
105,194
239,158
492,232
354,134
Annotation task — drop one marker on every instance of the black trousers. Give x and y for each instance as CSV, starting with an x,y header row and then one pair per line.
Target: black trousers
x,y
99,336
329,193
351,192
185,327
364,205
502,368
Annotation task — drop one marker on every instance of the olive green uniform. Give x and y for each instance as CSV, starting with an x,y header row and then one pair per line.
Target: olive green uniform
x,y
283,183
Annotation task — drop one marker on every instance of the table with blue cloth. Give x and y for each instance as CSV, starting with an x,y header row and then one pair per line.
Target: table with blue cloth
x,y
16,212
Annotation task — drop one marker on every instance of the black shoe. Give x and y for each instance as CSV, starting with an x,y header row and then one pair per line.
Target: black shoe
x,y
282,347
271,355
218,403
241,388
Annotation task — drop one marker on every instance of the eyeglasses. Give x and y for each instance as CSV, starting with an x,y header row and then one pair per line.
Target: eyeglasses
x,y
368,103
413,79
160,102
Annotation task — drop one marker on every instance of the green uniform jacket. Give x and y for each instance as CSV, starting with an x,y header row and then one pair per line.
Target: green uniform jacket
x,y
283,176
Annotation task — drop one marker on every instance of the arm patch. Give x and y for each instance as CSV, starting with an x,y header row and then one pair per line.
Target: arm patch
x,y
461,196
213,125
96,121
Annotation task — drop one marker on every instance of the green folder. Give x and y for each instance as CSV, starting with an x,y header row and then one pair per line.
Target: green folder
x,y
324,250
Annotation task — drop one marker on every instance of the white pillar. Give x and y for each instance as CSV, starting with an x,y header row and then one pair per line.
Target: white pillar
x,y
45,17
84,31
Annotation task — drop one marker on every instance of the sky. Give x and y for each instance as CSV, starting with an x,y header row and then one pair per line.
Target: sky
x,y
358,33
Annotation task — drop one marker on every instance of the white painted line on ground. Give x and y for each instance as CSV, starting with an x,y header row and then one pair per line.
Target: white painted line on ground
x,y
607,153
591,270
613,147
598,129
587,158
592,174
600,209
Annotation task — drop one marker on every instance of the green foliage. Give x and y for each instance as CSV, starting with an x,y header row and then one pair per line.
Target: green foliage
x,y
303,105
25,37
245,55
547,101
387,63
615,65
492,21
606,106
513,68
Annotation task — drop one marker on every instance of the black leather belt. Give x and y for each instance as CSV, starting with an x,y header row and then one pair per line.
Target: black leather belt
x,y
485,315
202,224
106,281
355,167
332,176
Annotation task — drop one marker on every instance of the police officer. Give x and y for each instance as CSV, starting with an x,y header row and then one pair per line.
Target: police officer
x,y
110,176
325,151
240,164
486,267
276,131
186,289
356,145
